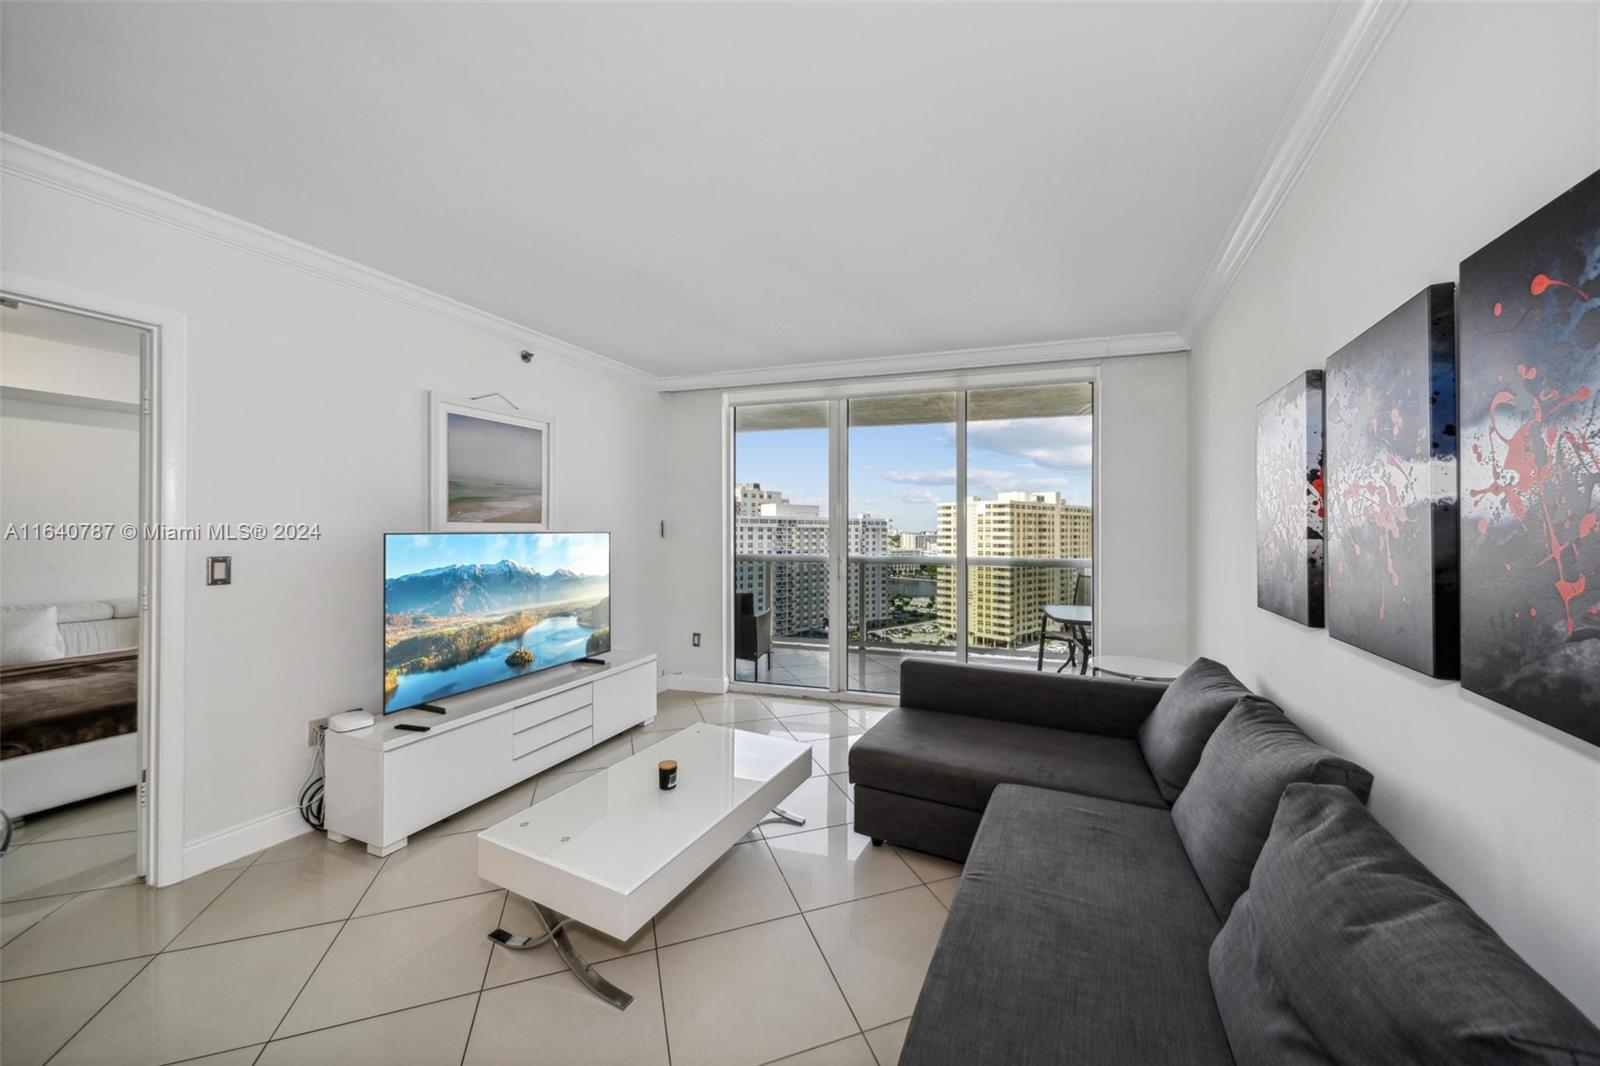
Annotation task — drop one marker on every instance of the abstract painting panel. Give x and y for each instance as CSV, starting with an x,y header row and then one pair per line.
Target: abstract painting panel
x,y
1391,487
1529,307
1289,500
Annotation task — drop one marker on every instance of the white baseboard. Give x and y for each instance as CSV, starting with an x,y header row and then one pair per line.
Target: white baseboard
x,y
692,683
247,838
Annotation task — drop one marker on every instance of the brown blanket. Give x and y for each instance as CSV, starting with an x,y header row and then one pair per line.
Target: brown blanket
x,y
68,701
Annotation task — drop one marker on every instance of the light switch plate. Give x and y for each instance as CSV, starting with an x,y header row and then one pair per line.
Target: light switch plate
x,y
219,570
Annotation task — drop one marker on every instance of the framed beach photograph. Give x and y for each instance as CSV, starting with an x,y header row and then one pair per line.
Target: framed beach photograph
x,y
488,469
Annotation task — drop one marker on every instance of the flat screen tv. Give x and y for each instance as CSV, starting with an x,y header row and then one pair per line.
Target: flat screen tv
x,y
465,610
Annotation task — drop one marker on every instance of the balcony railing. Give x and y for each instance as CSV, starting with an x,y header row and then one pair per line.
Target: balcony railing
x,y
901,629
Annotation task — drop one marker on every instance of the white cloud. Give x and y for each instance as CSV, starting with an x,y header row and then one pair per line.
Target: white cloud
x,y
975,476
1053,443
920,496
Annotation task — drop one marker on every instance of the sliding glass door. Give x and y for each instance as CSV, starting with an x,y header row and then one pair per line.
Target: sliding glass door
x,y
1030,525
901,479
962,528
781,567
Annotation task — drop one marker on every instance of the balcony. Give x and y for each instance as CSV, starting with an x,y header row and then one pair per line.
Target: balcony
x,y
908,604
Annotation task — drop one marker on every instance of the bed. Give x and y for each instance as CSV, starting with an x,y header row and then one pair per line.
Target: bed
x,y
69,725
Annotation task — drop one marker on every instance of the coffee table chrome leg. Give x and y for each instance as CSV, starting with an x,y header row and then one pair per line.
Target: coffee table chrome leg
x,y
786,816
555,926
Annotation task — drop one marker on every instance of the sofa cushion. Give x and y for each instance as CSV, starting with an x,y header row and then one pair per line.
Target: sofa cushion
x,y
1078,935
1347,950
958,760
1176,732
1225,814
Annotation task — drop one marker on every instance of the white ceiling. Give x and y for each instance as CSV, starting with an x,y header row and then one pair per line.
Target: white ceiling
x,y
699,188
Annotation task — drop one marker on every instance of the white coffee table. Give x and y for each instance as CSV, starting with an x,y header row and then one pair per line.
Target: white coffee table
x,y
611,851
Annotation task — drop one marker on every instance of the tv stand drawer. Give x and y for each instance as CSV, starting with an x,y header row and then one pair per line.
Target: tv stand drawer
x,y
534,712
530,740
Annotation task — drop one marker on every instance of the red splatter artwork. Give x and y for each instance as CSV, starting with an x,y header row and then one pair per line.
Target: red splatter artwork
x,y
1530,475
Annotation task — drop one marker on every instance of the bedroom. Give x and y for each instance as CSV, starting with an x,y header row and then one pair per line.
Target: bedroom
x,y
69,466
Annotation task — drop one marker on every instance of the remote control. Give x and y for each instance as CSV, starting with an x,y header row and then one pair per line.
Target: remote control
x,y
409,728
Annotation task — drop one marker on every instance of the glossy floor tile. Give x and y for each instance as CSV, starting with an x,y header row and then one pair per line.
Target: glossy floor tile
x,y
819,801
809,727
945,890
743,887
419,1036
110,924
887,1040
197,1002
726,710
75,864
39,1014
21,915
398,959
426,871
272,896
879,949
751,995
832,756
929,867
828,866
672,718
557,1021
851,1051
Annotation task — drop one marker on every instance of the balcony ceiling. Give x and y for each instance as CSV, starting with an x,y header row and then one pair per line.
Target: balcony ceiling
x,y
699,188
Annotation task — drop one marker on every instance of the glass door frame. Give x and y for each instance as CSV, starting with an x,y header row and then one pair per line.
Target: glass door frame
x,y
837,395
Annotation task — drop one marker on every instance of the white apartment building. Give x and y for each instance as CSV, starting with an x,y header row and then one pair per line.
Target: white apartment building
x,y
766,523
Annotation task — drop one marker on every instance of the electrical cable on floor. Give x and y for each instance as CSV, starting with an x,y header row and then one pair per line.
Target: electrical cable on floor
x,y
311,792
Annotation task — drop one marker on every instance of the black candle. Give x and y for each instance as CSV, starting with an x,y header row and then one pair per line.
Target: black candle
x,y
668,768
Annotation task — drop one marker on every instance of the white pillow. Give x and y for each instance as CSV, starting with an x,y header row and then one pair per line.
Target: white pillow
x,y
30,637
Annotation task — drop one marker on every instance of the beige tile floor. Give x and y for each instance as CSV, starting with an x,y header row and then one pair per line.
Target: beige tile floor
x,y
802,945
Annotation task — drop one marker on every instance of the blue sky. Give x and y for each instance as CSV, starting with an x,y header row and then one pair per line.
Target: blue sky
x,y
901,472
585,553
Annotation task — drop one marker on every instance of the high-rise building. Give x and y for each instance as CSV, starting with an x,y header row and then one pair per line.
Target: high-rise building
x,y
766,523
1004,603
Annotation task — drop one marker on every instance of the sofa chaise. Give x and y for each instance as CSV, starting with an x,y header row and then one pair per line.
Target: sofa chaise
x,y
1177,875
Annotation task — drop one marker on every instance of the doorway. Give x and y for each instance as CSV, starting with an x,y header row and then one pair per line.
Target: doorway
x,y
77,684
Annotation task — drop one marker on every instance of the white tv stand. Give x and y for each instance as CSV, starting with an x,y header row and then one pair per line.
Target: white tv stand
x,y
383,784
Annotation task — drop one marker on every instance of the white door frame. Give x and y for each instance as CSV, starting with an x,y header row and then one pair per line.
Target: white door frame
x,y
163,488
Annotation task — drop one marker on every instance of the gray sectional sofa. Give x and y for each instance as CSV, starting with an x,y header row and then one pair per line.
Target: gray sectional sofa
x,y
1177,875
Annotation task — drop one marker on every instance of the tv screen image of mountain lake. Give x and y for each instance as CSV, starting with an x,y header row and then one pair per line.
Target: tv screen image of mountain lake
x,y
465,610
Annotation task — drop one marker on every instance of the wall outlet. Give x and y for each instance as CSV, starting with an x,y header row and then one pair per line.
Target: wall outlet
x,y
314,730
695,640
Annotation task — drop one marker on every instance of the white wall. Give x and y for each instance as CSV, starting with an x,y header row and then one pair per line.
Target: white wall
x,y
1141,562
68,464
307,402
1470,118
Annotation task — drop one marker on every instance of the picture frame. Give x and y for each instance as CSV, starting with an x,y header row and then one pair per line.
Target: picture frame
x,y
1289,504
488,468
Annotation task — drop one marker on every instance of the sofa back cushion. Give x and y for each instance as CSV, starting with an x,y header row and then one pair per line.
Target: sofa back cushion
x,y
1347,950
1225,814
1176,732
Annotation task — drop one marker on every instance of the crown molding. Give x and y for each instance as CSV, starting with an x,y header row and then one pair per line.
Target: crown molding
x,y
1356,32
47,167
1083,349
